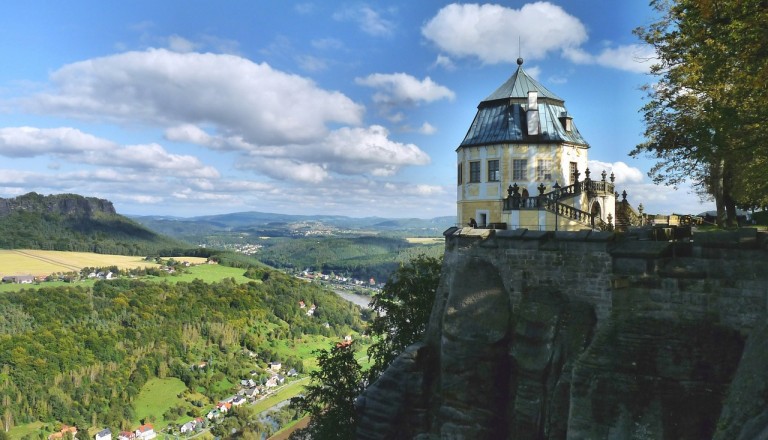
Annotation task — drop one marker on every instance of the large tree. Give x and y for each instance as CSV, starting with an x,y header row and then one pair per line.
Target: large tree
x,y
704,114
330,397
403,308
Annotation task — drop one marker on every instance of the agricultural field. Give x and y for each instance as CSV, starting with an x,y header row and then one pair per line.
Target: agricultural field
x,y
43,263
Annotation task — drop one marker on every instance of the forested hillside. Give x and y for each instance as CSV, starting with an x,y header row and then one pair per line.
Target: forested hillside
x,y
69,222
358,257
81,355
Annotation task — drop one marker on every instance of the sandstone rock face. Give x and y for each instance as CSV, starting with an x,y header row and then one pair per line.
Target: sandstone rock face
x,y
62,204
536,335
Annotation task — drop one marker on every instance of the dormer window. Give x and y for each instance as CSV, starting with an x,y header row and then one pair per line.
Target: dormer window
x,y
533,113
566,121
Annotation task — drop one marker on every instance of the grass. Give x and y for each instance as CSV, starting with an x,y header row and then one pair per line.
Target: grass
x,y
28,428
210,273
156,397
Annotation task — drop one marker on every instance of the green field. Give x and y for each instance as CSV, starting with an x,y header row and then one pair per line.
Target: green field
x,y
156,397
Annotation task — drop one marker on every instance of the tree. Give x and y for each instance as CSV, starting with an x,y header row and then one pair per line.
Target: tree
x,y
329,398
705,115
404,306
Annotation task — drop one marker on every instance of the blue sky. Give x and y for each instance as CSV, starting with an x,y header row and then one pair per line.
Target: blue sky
x,y
353,108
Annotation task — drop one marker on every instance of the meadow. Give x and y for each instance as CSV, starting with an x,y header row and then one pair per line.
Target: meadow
x,y
43,263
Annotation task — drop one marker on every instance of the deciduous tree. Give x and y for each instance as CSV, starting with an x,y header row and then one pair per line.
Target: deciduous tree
x,y
403,307
705,117
329,398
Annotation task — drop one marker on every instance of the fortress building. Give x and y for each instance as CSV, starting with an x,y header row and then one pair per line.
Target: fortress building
x,y
523,164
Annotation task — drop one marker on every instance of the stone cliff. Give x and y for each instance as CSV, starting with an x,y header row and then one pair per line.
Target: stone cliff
x,y
62,204
585,335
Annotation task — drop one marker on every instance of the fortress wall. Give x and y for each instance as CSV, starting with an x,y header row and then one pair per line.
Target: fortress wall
x,y
719,276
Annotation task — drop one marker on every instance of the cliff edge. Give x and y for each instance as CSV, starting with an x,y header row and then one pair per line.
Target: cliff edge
x,y
585,335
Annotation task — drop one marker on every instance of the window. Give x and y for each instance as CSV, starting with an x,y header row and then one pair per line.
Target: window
x,y
474,172
519,169
544,170
571,172
460,175
493,170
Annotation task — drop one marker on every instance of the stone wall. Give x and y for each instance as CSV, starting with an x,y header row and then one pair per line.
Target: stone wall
x,y
583,335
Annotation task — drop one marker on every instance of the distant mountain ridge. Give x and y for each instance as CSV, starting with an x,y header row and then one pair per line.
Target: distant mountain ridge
x,y
264,222
71,222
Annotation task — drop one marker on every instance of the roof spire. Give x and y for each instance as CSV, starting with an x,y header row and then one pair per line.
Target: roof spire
x,y
519,56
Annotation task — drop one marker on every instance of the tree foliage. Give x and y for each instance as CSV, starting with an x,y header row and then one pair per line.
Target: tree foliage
x,y
81,356
705,114
404,307
329,398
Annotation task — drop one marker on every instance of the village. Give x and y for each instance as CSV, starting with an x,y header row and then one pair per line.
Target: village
x,y
250,391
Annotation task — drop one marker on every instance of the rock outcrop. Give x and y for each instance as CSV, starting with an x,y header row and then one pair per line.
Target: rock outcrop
x,y
62,204
586,335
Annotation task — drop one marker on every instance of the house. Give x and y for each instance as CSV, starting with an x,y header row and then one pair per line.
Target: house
x,y
251,392
223,407
520,161
239,400
126,435
63,432
215,413
302,305
146,432
275,366
104,434
292,373
188,427
19,279
271,382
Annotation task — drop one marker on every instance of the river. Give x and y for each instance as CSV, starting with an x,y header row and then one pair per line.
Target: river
x,y
360,300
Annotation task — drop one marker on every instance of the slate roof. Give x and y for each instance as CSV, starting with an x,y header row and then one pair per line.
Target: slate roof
x,y
501,117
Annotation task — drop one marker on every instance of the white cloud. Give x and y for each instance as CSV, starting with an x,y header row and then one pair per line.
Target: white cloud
x,y
32,141
401,88
370,21
427,128
490,32
287,169
181,44
444,62
632,58
622,172
233,94
77,147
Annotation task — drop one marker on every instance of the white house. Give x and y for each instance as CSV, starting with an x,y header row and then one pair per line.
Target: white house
x,y
146,432
104,434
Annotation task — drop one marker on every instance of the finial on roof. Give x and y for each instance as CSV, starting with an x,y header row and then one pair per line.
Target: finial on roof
x,y
520,61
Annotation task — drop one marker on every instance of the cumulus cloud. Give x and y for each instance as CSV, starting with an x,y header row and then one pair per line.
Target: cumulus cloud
x,y
32,141
401,88
370,21
490,32
347,150
76,146
621,171
234,94
635,58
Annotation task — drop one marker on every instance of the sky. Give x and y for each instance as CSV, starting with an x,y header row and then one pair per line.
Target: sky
x,y
187,108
